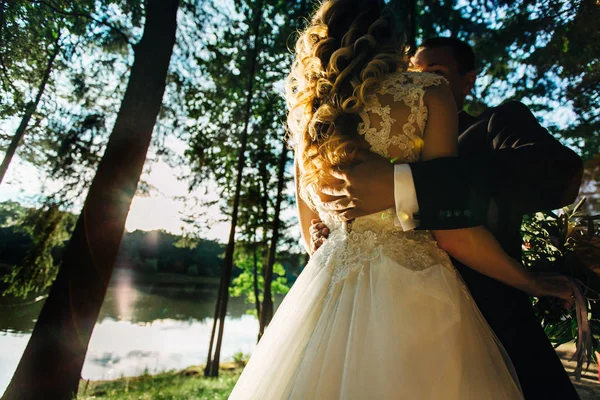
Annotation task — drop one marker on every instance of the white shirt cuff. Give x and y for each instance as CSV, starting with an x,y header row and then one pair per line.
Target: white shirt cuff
x,y
405,197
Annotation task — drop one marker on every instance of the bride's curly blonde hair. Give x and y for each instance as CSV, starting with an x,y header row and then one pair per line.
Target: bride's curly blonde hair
x,y
340,60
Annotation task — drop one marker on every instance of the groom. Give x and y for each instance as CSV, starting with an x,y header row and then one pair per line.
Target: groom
x,y
508,166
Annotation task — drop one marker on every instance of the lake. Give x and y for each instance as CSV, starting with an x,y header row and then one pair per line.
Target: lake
x,y
143,327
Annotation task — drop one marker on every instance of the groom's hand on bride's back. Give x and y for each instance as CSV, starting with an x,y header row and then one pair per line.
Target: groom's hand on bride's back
x,y
364,188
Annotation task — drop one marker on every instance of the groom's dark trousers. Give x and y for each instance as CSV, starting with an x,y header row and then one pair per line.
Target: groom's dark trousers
x,y
508,166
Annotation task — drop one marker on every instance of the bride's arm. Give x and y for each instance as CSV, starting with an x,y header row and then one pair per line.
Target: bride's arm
x,y
475,247
305,214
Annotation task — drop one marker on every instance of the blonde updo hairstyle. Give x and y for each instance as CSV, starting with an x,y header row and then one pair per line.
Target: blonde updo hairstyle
x,y
349,46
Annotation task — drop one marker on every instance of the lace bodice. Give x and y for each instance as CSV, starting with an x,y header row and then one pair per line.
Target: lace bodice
x,y
382,130
393,123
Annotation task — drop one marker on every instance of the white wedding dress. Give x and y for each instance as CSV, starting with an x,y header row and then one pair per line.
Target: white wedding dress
x,y
379,313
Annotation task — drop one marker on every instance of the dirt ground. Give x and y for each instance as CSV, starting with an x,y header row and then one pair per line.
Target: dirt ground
x,y
589,386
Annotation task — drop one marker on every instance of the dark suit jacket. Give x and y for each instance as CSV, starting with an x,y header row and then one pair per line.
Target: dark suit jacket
x,y
508,166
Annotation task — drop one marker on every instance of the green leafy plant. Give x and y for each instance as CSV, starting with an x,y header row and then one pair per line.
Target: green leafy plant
x,y
243,284
49,228
241,359
567,243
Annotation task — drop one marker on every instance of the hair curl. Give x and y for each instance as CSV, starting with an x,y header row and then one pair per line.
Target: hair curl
x,y
341,57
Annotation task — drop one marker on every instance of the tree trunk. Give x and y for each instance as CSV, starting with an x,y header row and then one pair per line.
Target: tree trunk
x,y
255,275
264,200
51,365
411,25
212,363
29,110
267,307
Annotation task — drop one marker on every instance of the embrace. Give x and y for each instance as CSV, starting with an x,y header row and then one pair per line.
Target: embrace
x,y
411,210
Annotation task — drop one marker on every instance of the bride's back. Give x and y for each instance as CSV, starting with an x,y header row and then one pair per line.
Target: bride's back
x,y
392,125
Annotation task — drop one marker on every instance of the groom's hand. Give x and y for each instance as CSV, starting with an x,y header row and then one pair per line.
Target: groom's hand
x,y
362,189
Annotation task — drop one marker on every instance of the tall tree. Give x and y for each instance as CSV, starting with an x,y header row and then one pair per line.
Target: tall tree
x,y
29,110
267,307
293,23
212,363
214,147
52,362
41,43
28,51
54,55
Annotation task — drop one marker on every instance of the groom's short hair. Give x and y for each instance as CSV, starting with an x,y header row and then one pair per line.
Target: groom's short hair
x,y
463,53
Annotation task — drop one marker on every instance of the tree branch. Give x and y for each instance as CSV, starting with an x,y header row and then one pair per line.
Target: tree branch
x,y
87,16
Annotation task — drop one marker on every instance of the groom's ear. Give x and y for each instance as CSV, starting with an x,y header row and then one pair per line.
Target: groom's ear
x,y
470,78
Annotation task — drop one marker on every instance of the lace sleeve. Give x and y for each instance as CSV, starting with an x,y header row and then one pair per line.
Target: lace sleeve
x,y
398,103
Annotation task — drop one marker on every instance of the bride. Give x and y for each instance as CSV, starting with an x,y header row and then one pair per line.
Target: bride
x,y
378,313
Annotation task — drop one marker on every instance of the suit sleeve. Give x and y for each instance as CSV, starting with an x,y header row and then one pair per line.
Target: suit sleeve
x,y
518,164
450,194
529,169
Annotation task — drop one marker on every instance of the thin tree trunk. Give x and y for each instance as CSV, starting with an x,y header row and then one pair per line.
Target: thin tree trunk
x,y
255,279
51,365
208,367
212,364
411,25
29,110
264,204
267,308
264,201
255,273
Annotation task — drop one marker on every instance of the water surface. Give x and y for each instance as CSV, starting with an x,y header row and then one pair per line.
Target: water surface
x,y
143,327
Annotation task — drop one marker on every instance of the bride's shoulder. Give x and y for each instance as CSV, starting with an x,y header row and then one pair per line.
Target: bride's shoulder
x,y
409,79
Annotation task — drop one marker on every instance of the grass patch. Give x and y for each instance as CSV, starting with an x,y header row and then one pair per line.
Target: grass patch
x,y
187,384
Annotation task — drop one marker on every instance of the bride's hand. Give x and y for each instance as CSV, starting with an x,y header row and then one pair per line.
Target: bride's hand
x,y
319,233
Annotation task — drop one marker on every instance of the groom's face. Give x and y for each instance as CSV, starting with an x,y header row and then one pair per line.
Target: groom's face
x,y
442,61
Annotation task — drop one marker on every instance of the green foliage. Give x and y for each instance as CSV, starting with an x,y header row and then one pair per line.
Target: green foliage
x,y
48,228
545,53
27,36
549,51
32,240
158,251
241,359
11,213
217,105
589,185
187,384
568,244
243,284
69,128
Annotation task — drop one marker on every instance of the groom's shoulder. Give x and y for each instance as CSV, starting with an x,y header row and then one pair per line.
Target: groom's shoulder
x,y
513,109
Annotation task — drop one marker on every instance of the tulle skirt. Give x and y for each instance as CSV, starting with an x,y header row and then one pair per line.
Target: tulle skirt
x,y
382,330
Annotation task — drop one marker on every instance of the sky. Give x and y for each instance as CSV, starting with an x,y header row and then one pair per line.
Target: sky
x,y
161,209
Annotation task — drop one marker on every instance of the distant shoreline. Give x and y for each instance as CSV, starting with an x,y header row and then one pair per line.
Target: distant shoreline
x,y
140,278
119,277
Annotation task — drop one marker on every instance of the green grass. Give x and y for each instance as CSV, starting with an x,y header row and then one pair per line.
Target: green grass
x,y
187,384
